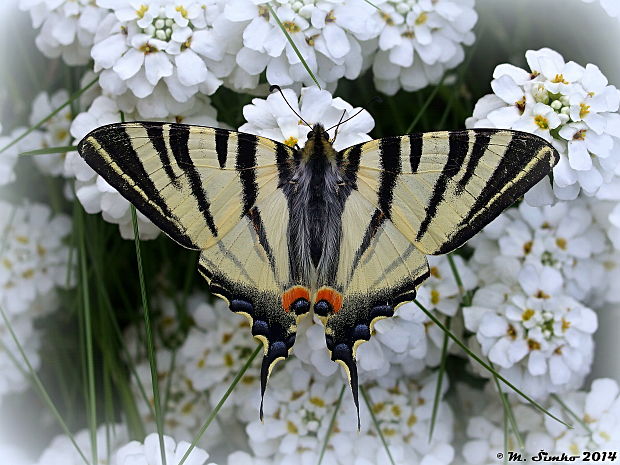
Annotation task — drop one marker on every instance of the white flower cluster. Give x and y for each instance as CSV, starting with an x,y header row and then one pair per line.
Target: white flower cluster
x,y
572,107
34,262
594,414
67,27
538,338
113,448
564,238
182,47
298,416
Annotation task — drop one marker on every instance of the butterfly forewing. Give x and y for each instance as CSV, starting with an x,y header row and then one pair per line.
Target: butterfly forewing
x,y
193,182
445,186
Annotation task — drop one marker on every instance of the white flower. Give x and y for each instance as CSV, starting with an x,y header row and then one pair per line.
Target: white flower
x,y
599,409
35,259
67,27
272,118
62,451
571,106
540,341
53,133
92,191
419,40
143,44
149,453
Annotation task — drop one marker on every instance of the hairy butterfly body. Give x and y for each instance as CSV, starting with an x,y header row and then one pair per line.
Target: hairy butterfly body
x,y
282,231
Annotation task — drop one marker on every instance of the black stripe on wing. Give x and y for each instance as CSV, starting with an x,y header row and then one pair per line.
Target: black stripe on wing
x,y
481,143
221,146
114,140
415,151
179,138
522,149
458,148
155,132
246,162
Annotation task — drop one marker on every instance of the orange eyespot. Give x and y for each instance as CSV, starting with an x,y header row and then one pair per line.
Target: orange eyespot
x,y
294,293
330,295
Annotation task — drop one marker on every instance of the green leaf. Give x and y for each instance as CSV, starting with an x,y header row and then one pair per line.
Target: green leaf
x,y
486,366
290,40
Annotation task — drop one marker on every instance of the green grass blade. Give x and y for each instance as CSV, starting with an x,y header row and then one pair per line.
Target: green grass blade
x,y
149,339
221,402
486,366
572,413
50,150
368,402
373,5
427,102
76,95
442,370
508,413
290,41
41,389
330,429
506,434
88,337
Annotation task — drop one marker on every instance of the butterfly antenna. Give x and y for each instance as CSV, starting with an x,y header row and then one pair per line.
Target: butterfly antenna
x,y
376,98
274,87
344,112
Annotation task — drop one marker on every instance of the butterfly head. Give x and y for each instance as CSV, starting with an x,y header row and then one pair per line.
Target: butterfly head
x,y
318,145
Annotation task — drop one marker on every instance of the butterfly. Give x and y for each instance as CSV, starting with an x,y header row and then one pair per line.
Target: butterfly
x,y
283,231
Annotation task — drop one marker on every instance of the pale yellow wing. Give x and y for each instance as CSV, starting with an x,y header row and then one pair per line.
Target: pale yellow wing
x,y
194,182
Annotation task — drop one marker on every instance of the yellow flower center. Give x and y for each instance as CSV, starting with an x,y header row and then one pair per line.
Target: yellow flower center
x,y
533,345
387,18
559,78
140,12
435,272
291,141
291,427
291,26
520,104
561,243
511,332
541,295
412,420
565,324
580,135
181,9
527,314
435,296
317,401
527,247
421,19
147,49
541,122
263,12
584,110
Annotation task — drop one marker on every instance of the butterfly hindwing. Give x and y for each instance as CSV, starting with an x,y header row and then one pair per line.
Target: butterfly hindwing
x,y
441,188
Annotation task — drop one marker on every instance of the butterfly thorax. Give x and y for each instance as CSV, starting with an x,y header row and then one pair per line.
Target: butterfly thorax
x,y
316,194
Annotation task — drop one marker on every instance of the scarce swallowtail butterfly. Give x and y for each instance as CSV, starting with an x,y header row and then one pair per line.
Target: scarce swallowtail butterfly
x,y
284,231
